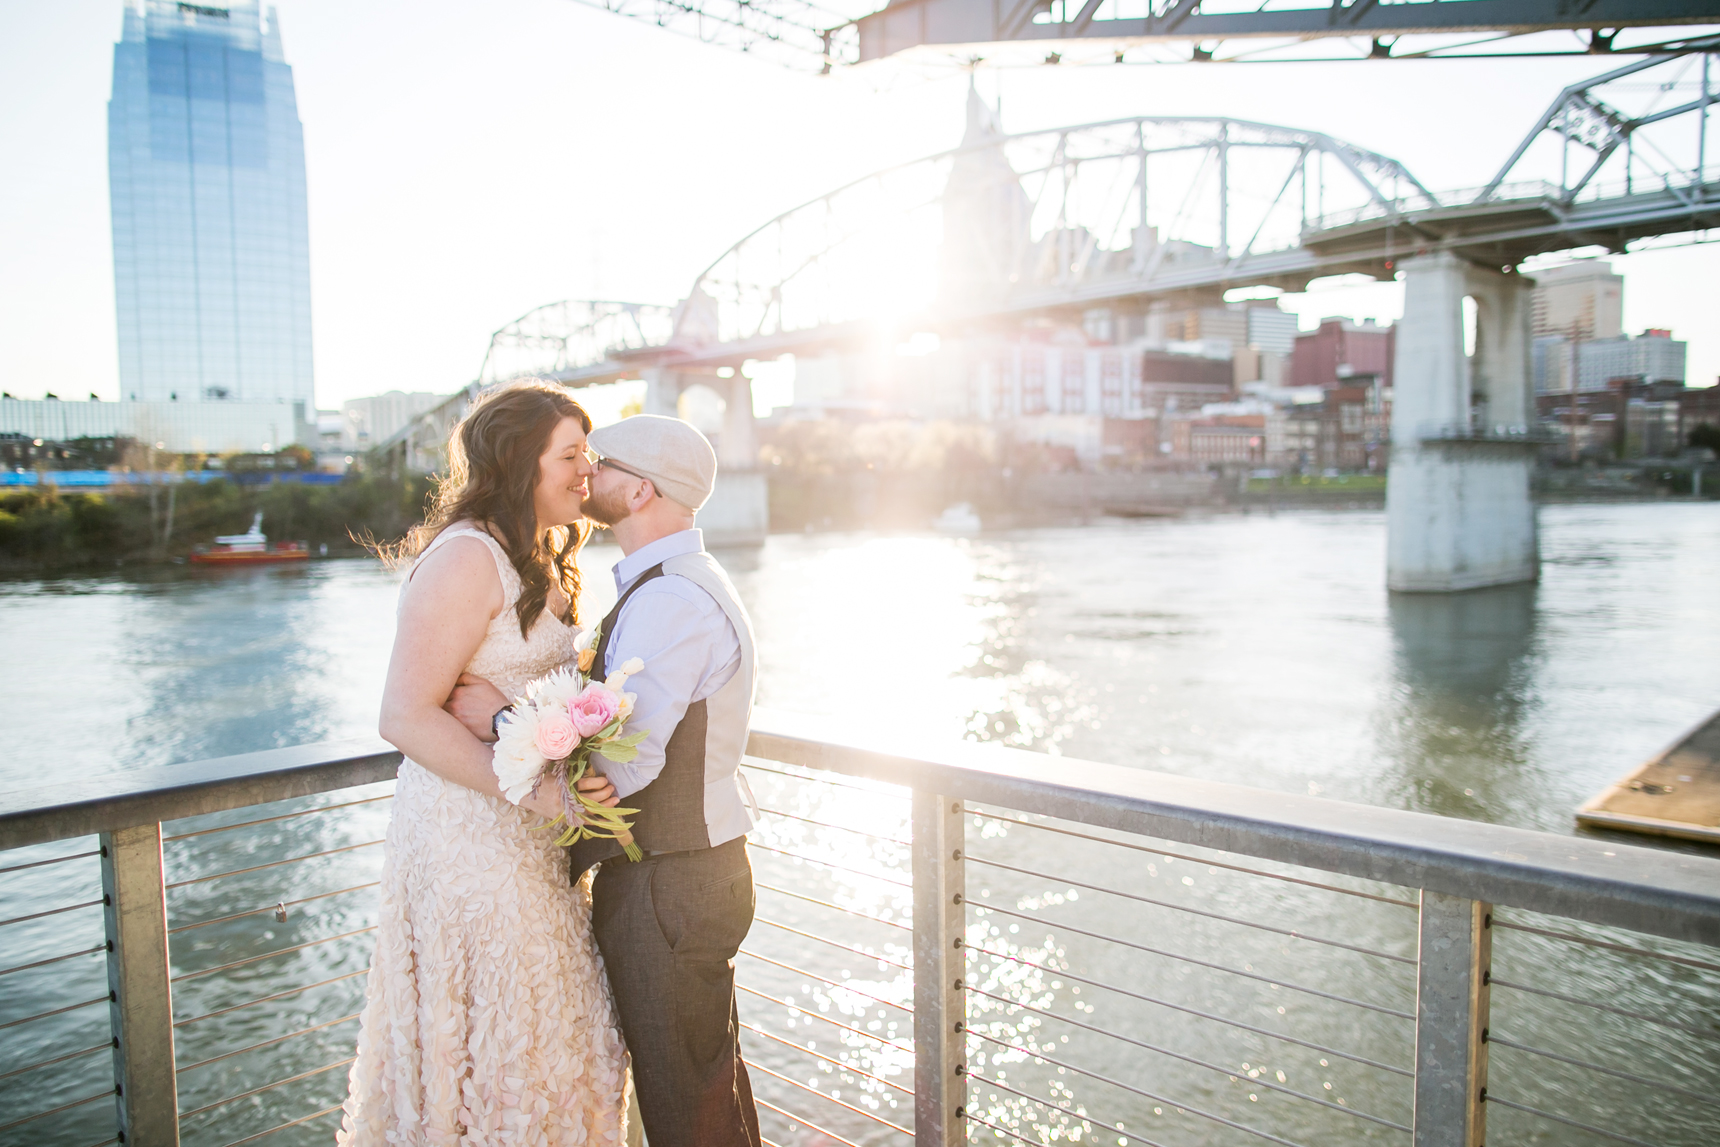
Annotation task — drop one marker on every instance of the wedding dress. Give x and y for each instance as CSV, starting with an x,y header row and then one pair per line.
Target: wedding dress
x,y
487,1017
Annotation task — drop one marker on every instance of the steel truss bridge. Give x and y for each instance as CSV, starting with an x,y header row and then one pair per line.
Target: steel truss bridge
x,y
1012,228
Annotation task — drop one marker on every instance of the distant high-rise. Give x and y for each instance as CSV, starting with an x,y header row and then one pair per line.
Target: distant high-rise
x,y
1582,300
206,165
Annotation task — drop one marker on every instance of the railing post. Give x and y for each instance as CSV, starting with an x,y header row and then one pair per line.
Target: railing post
x,y
940,997
141,997
1451,1021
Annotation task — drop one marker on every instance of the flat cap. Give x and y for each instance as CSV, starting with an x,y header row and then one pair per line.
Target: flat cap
x,y
675,456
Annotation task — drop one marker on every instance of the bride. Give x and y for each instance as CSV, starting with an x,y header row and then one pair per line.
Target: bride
x,y
487,1016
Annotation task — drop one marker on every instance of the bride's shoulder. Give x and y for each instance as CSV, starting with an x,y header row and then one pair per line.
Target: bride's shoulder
x,y
458,563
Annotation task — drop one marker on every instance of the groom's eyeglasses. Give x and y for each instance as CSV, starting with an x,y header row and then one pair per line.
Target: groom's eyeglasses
x,y
602,463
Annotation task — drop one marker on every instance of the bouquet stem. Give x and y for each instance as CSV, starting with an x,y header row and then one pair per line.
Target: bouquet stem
x,y
587,819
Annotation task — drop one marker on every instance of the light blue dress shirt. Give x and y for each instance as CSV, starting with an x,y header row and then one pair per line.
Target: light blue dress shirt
x,y
688,644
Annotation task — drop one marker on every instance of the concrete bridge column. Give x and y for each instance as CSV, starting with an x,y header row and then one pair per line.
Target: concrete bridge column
x,y
1458,507
738,513
662,391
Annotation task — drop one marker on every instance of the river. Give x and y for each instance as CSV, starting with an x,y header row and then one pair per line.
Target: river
x,y
1258,649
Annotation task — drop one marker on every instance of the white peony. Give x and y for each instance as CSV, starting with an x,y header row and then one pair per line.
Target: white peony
x,y
556,689
517,762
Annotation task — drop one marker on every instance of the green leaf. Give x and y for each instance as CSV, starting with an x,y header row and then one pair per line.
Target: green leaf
x,y
618,752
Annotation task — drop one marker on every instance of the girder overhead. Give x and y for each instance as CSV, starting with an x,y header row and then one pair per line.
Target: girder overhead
x,y
907,24
822,35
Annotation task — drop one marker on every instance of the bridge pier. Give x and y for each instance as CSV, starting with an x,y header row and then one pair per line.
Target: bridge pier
x,y
1458,507
738,513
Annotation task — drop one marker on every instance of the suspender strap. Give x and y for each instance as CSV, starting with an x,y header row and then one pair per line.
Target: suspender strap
x,y
600,659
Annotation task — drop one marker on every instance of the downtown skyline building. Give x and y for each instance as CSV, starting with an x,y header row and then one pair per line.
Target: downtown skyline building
x,y
210,234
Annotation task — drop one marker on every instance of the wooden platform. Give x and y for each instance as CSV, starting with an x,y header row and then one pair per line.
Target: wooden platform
x,y
1674,794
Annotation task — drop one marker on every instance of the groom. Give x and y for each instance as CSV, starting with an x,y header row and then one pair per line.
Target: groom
x,y
669,926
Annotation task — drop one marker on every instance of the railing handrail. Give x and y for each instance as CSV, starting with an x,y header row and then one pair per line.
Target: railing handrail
x,y
104,802
1663,893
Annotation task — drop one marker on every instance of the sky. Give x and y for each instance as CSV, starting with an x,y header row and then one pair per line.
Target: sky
x,y
470,161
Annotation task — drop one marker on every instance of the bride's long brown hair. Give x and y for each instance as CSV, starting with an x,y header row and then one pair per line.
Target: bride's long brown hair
x,y
491,477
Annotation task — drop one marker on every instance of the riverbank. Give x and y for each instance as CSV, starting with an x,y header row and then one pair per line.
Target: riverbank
x,y
44,529
47,529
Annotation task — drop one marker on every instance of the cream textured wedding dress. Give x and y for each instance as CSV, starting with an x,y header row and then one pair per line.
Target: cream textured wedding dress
x,y
487,1017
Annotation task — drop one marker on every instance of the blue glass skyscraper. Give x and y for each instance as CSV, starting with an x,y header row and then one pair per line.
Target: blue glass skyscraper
x,y
206,163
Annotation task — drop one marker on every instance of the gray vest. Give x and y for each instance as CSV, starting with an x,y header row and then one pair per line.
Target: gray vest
x,y
700,799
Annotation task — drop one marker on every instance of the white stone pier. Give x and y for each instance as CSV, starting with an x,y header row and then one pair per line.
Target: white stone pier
x,y
738,513
1458,507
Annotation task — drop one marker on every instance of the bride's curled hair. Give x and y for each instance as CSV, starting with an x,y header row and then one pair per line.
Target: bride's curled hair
x,y
490,480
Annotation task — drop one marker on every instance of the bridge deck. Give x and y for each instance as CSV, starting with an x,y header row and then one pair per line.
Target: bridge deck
x,y
1675,794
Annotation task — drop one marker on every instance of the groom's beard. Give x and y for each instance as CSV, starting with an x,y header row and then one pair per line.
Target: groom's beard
x,y
607,509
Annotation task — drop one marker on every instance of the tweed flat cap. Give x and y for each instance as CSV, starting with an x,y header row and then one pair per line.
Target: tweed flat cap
x,y
675,456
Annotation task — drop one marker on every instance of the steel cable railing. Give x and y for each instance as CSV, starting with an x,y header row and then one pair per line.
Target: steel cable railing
x,y
234,1087
1255,924
91,951
1494,1039
51,860
842,944
1498,981
1086,1120
54,1012
1017,975
780,891
61,1109
178,884
1141,1009
1180,1105
836,1063
1226,1021
1583,1049
830,1099
820,876
837,827
55,1058
1188,1059
270,999
106,1045
1207,861
1273,981
1495,1100
319,809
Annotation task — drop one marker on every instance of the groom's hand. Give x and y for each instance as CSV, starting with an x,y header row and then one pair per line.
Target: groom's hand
x,y
474,703
596,787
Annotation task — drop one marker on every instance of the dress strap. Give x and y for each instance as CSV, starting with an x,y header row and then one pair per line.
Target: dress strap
x,y
505,568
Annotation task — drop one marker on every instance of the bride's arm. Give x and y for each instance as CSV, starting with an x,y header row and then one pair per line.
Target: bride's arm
x,y
446,610
444,613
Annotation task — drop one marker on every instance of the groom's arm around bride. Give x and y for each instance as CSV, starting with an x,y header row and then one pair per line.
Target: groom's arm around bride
x,y
669,926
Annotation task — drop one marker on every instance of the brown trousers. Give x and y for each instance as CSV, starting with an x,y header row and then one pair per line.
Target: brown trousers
x,y
669,927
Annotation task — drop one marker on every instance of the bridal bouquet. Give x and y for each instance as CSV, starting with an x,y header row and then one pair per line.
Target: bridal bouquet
x,y
551,733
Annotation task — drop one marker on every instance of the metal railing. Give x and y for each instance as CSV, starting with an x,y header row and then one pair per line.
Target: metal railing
x,y
976,943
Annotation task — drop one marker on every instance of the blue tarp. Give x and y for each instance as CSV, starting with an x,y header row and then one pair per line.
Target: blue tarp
x,y
101,479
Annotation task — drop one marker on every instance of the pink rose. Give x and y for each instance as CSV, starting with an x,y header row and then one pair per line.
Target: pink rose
x,y
593,709
556,736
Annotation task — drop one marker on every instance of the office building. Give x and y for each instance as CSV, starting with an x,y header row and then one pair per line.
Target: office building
x,y
1651,357
207,177
1342,353
1581,301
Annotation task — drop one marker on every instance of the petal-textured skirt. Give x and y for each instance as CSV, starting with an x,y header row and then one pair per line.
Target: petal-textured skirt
x,y
487,1018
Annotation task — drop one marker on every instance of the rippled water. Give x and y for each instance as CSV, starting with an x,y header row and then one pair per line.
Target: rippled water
x,y
1261,650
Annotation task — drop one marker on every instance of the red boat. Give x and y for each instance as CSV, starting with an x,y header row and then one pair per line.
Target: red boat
x,y
249,548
